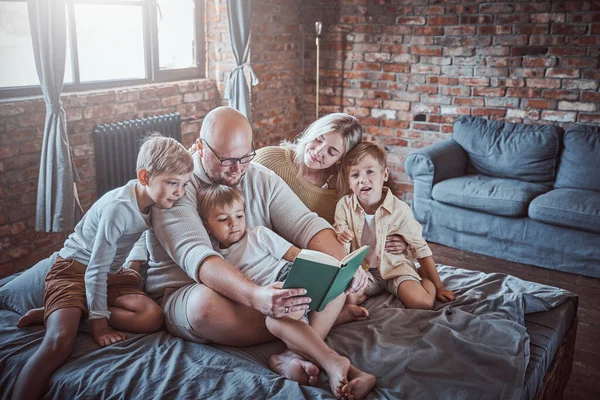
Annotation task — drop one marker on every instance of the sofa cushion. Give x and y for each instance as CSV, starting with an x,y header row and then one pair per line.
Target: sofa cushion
x,y
497,196
580,160
573,208
508,150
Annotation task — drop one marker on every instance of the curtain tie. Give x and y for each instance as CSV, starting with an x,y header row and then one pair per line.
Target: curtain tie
x,y
240,67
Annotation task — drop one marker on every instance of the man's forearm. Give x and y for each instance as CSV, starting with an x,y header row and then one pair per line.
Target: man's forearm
x,y
228,281
326,242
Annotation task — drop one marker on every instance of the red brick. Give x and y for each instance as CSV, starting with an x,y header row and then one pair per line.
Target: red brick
x,y
426,127
532,29
576,106
427,51
432,89
440,80
590,96
523,92
528,51
545,104
589,118
425,69
445,20
494,30
568,29
567,51
537,62
508,82
488,112
559,95
524,114
396,105
463,30
396,68
428,30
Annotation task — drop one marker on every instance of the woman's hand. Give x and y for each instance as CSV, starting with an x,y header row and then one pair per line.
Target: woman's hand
x,y
345,236
275,302
395,244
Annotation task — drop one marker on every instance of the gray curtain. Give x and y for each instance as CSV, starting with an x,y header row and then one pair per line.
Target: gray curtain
x,y
240,26
56,197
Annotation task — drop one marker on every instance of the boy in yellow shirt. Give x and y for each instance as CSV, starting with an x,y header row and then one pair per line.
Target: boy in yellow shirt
x,y
370,214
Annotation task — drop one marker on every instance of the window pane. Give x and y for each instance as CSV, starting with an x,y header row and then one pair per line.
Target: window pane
x,y
176,34
17,67
110,42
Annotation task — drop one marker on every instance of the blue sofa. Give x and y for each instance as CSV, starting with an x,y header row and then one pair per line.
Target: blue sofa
x,y
525,193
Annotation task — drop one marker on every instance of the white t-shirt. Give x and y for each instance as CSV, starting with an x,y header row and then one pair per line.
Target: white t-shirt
x,y
369,238
258,255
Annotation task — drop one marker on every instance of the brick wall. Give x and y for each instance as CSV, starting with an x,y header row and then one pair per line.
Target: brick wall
x,y
21,131
408,69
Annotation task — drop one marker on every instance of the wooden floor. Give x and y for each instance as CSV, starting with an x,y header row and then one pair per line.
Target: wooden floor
x,y
585,378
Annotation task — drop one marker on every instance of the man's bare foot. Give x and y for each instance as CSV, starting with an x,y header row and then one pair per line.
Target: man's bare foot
x,y
294,367
337,371
34,316
360,384
350,313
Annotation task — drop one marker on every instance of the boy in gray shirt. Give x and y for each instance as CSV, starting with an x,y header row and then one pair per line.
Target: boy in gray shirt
x,y
87,277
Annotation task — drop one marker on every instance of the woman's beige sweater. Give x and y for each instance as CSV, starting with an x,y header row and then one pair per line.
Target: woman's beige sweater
x,y
280,160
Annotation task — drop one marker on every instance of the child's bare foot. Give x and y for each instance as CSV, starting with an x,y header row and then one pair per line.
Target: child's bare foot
x,y
360,384
350,313
294,367
337,372
34,316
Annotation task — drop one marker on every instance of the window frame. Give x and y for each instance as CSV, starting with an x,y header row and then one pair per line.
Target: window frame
x,y
151,54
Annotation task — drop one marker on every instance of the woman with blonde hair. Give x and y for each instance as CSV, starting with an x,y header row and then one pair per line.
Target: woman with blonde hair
x,y
310,163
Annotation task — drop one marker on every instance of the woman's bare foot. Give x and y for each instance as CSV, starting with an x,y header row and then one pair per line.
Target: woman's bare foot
x,y
350,313
360,384
294,367
337,371
31,317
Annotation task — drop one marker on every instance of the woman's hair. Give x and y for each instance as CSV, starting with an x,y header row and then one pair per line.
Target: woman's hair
x,y
213,195
374,149
343,123
164,155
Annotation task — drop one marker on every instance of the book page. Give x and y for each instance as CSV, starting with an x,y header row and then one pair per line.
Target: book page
x,y
317,256
352,255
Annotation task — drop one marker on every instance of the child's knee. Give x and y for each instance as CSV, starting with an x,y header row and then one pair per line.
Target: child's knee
x,y
58,344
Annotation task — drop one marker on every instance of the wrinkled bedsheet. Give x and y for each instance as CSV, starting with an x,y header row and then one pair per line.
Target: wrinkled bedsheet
x,y
476,347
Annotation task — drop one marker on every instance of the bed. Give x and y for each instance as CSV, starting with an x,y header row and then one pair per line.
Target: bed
x,y
502,338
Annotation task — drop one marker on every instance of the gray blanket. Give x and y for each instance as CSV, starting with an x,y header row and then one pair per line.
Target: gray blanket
x,y
474,348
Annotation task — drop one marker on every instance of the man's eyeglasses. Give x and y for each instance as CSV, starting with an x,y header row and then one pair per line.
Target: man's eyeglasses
x,y
230,161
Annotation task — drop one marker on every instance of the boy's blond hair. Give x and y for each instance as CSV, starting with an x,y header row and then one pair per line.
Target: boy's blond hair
x,y
374,149
213,195
164,155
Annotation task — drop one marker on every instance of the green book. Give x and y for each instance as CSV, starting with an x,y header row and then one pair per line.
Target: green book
x,y
323,276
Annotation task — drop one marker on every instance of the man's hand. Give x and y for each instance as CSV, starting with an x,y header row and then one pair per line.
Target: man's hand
x,y
345,236
395,244
104,335
275,302
445,295
359,282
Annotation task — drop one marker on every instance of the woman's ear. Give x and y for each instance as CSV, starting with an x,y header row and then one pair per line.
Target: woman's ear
x,y
143,176
200,146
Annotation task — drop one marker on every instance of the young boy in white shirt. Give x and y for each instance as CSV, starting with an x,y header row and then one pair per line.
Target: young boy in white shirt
x,y
266,258
87,278
370,214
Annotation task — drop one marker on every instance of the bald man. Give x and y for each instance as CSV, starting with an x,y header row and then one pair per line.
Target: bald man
x,y
204,298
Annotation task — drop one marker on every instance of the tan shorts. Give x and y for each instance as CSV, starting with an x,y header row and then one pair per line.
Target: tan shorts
x,y
65,286
174,306
377,284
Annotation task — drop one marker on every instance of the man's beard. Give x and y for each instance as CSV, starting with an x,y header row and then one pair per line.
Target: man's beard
x,y
222,180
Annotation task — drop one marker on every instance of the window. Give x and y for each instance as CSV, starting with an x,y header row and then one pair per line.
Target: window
x,y
110,43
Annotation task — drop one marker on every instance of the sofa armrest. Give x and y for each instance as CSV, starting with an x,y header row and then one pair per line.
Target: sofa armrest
x,y
433,164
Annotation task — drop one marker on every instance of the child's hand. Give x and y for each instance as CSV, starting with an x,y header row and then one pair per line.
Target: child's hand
x,y
345,236
104,335
444,295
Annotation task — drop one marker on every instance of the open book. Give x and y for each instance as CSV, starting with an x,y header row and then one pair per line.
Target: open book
x,y
323,276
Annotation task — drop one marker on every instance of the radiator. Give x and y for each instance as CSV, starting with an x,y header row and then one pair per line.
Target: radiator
x,y
116,147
